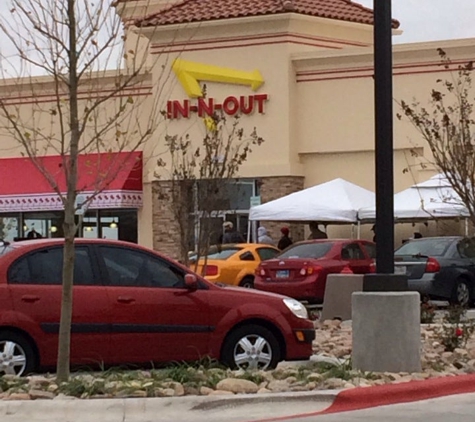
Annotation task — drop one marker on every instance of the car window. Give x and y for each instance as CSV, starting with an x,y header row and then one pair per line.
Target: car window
x,y
307,250
45,267
370,249
218,253
466,248
4,249
247,256
267,253
132,268
352,251
430,247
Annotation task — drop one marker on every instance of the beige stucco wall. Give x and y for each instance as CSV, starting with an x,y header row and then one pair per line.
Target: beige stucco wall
x,y
318,121
262,43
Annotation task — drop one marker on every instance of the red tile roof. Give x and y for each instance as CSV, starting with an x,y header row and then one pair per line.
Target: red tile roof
x,y
187,11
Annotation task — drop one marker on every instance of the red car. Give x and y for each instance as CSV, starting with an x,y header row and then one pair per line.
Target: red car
x,y
301,270
133,305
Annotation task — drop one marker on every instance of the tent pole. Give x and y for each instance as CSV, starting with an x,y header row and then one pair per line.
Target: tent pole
x,y
466,227
358,230
249,231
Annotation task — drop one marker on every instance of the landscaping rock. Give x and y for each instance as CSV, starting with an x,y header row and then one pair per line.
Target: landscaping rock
x,y
178,388
17,396
40,394
205,391
278,386
236,385
220,393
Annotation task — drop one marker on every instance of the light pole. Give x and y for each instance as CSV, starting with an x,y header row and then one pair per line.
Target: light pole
x,y
386,319
383,95
384,279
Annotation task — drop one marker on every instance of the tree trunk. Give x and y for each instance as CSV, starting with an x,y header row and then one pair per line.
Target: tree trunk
x,y
62,368
69,226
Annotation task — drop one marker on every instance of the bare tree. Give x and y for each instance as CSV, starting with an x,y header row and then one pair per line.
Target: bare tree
x,y
447,126
92,94
200,177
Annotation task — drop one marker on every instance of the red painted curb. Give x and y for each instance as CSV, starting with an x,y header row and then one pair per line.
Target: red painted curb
x,y
406,392
383,395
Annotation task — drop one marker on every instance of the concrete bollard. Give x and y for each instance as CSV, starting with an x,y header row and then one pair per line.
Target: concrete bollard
x,y
386,331
338,291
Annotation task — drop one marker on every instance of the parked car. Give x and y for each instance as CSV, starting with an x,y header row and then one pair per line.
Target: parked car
x,y
301,270
133,305
234,264
439,267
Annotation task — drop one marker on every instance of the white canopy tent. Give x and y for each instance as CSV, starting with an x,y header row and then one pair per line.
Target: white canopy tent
x,y
432,199
337,201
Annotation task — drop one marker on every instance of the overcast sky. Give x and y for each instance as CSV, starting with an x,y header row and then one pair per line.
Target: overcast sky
x,y
421,20
431,20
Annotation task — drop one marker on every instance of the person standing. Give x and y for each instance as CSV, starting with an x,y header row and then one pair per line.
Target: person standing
x,y
315,232
230,235
263,237
285,241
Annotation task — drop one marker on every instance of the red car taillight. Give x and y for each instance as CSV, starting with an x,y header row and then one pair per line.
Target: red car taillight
x,y
211,270
261,272
432,265
309,270
372,267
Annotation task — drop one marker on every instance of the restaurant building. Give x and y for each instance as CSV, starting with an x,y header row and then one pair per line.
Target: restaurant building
x,y
299,71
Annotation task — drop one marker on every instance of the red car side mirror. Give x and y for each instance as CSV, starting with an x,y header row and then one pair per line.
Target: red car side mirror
x,y
191,282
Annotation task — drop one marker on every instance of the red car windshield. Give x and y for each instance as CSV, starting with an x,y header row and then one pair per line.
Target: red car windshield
x,y
307,250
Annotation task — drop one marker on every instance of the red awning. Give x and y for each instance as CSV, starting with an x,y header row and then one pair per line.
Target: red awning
x,y
117,176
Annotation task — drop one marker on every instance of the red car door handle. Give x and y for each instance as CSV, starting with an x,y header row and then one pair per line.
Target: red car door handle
x,y
125,299
30,298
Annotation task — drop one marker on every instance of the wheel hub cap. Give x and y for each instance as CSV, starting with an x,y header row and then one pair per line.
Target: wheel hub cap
x,y
12,358
253,352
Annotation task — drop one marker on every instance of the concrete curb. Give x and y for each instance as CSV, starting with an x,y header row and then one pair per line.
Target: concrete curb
x,y
147,409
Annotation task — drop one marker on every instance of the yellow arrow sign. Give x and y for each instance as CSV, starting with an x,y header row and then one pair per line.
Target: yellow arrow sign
x,y
189,73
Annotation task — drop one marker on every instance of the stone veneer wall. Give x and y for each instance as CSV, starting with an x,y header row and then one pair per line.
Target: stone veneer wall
x,y
166,233
276,187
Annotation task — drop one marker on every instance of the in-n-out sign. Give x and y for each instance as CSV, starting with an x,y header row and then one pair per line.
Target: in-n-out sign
x,y
208,106
189,73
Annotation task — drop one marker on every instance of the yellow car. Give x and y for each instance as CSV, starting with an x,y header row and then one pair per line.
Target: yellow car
x,y
234,264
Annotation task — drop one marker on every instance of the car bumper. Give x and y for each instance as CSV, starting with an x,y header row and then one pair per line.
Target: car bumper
x,y
300,346
306,290
428,285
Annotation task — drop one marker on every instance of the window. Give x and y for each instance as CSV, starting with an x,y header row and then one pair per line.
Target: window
x,y
370,250
352,251
465,248
9,226
307,250
267,253
43,224
247,256
428,247
226,194
45,267
220,253
120,224
131,268
4,249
